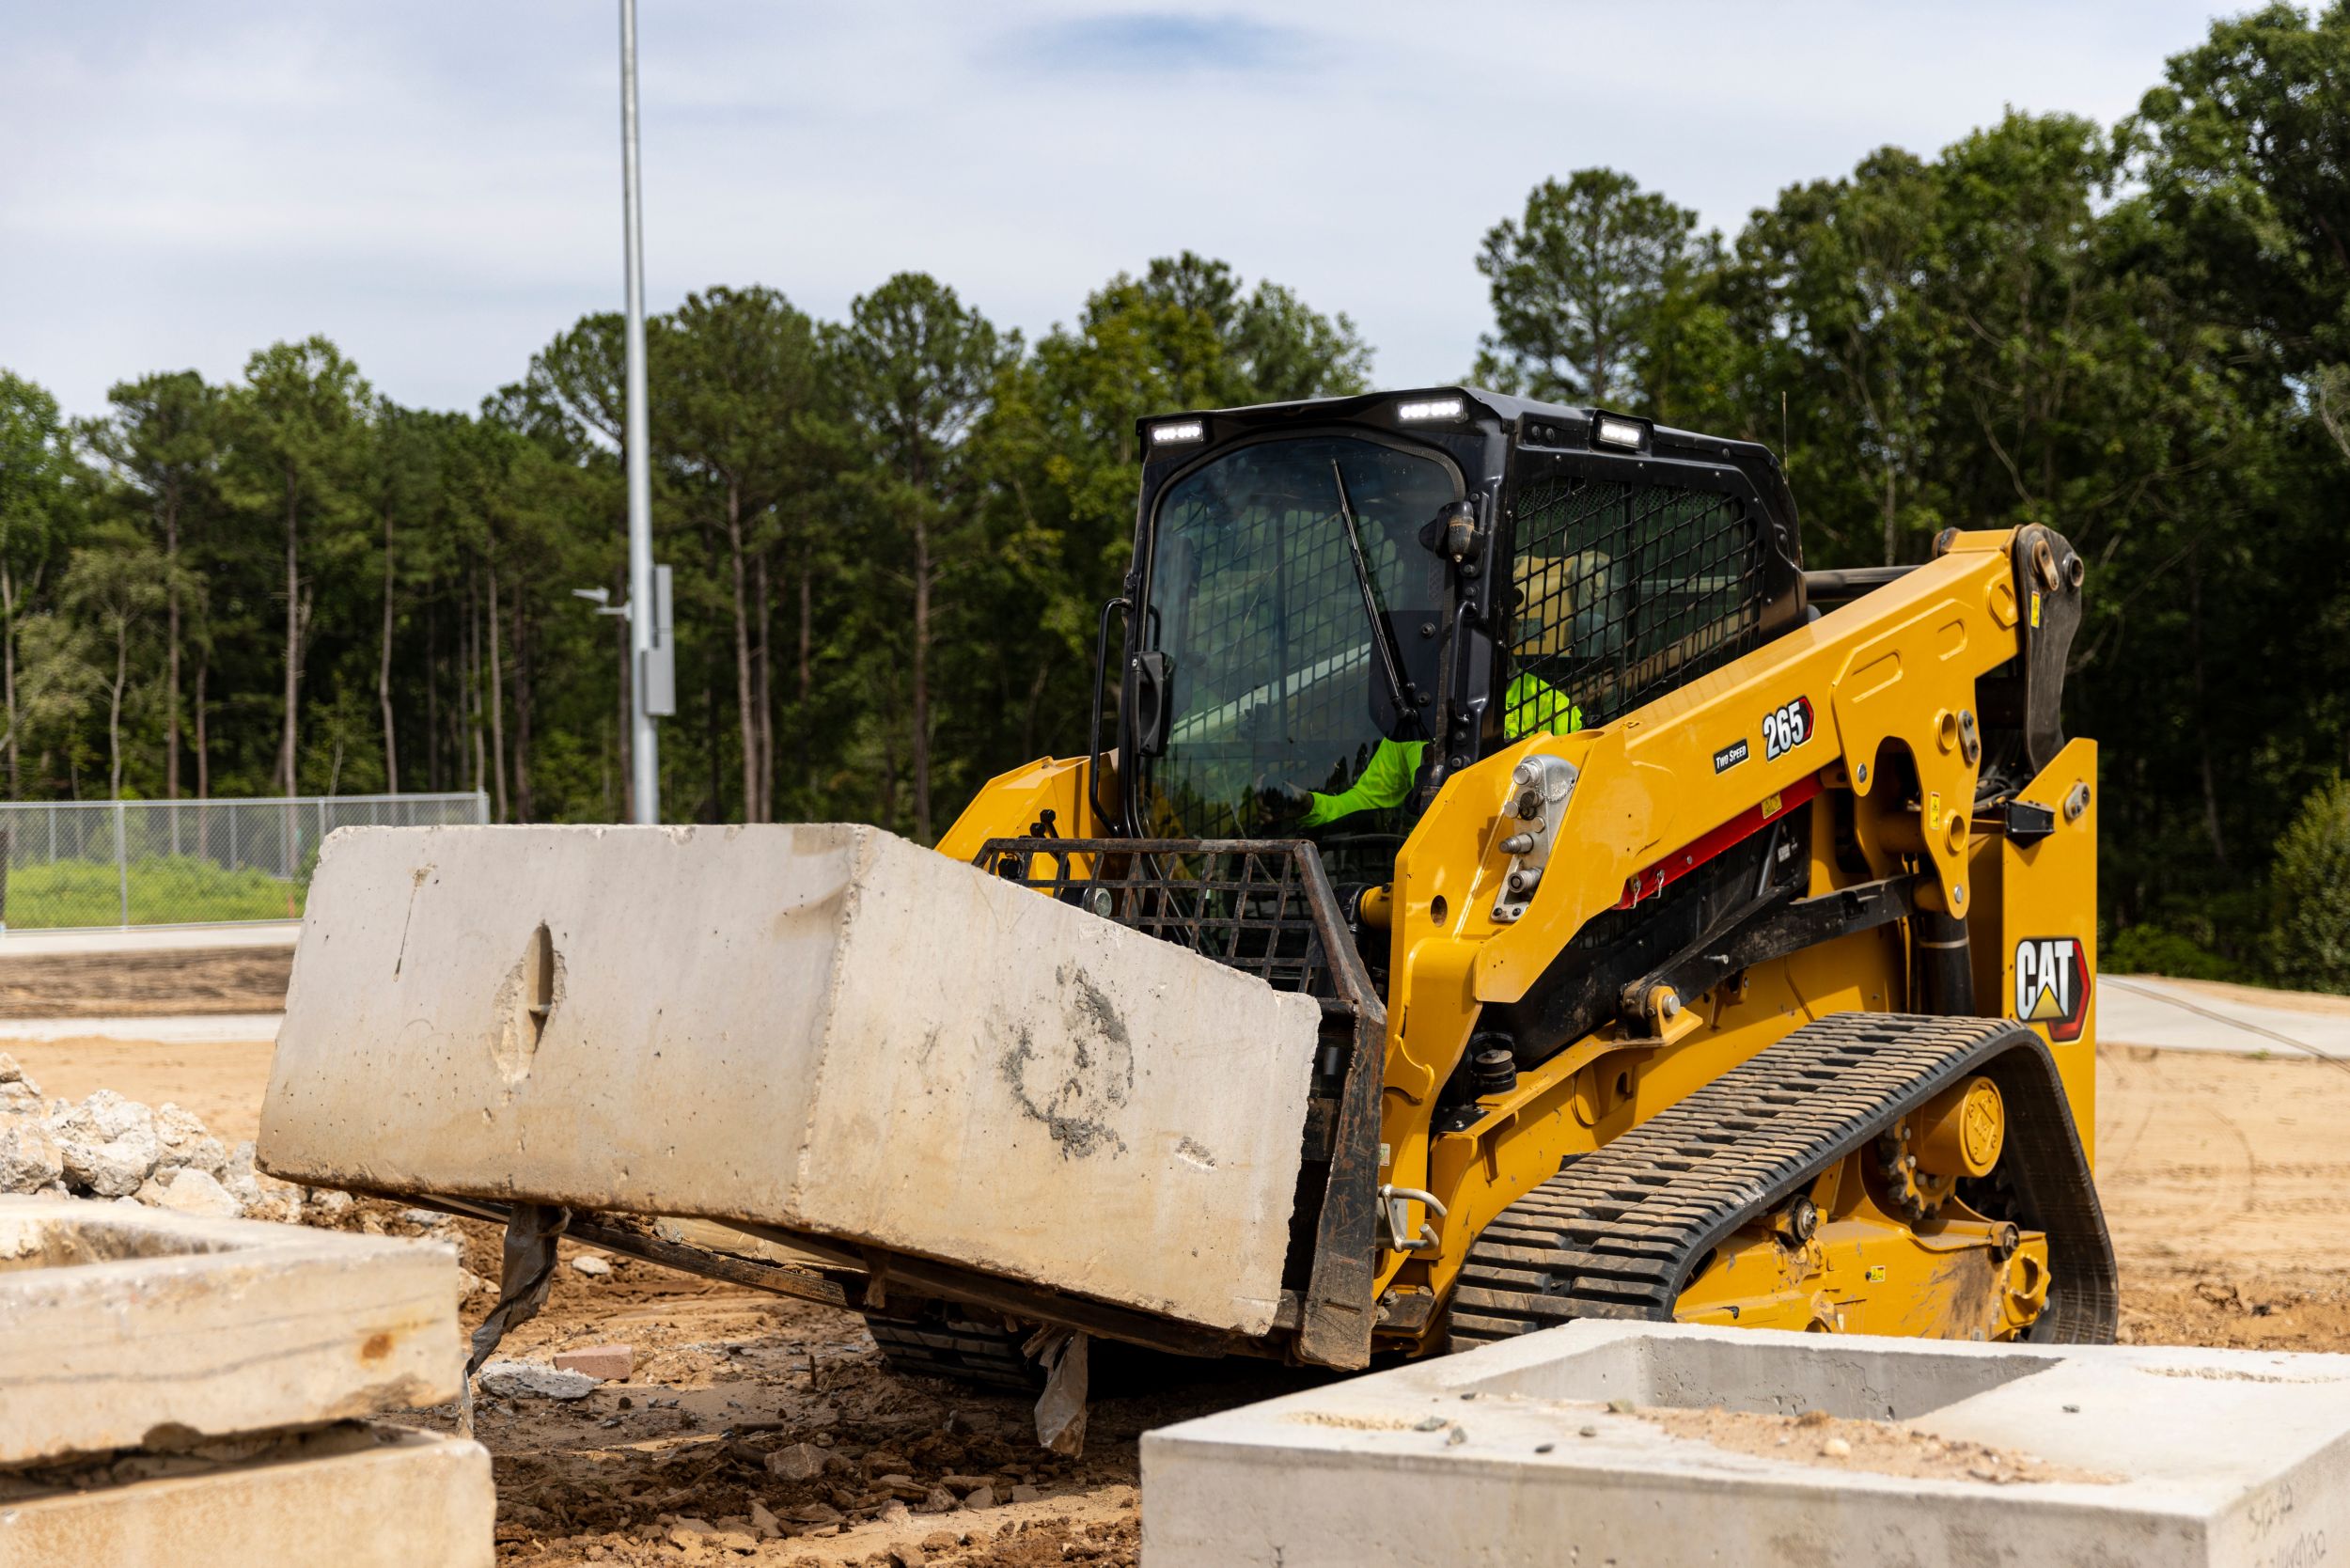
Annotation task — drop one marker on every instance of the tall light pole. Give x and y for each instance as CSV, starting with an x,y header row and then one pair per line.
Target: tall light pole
x,y
643,625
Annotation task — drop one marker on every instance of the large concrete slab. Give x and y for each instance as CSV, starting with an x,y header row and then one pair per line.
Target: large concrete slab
x,y
352,1496
1928,1454
123,1326
821,1027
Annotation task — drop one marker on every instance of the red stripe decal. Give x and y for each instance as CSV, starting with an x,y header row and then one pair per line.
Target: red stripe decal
x,y
1655,879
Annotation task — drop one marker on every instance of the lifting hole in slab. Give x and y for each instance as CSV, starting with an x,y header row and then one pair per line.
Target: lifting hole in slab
x,y
539,981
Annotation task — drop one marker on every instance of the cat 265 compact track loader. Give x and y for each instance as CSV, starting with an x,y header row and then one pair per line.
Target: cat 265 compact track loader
x,y
1506,887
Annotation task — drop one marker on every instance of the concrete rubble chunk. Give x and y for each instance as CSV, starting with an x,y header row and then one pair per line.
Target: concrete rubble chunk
x,y
509,1379
262,1196
182,1141
593,1265
109,1144
12,1073
784,1000
118,1322
799,1462
30,1158
1773,1451
194,1192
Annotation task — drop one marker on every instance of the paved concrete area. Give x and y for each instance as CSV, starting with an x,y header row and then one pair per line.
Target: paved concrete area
x,y
24,943
1660,1445
202,1029
119,1321
354,1496
2184,1016
820,1026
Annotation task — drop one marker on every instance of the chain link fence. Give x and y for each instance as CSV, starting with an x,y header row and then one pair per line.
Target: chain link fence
x,y
186,862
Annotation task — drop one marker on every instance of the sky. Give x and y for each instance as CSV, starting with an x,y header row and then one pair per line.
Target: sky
x,y
436,186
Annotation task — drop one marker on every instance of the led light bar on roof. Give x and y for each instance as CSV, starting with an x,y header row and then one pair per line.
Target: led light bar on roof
x,y
1174,430
1433,408
1618,432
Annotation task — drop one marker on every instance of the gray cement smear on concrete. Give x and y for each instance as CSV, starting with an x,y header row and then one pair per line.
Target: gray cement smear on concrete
x,y
2223,1459
351,1496
820,1028
123,1326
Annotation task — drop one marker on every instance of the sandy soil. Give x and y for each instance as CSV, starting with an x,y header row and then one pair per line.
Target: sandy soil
x,y
221,1083
142,985
2226,1182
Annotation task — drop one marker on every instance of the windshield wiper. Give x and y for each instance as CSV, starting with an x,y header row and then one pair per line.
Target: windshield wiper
x,y
1400,691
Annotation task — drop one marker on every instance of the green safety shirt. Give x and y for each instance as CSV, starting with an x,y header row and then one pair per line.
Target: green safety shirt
x,y
1532,704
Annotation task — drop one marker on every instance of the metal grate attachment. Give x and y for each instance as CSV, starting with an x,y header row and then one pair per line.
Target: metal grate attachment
x,y
1262,906
1623,592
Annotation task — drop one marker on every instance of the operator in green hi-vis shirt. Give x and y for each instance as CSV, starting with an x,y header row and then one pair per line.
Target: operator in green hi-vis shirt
x,y
1530,704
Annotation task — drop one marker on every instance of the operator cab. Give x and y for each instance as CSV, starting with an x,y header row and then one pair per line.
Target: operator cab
x,y
1337,605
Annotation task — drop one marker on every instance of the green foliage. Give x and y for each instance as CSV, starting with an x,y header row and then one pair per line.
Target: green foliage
x,y
2151,948
2310,941
164,888
1580,284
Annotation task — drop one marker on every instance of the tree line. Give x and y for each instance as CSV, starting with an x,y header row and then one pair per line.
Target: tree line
x,y
891,532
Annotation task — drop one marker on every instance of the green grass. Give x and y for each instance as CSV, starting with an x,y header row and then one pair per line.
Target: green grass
x,y
165,890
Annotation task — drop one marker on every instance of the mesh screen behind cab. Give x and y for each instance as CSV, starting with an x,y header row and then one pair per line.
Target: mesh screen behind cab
x,y
1623,592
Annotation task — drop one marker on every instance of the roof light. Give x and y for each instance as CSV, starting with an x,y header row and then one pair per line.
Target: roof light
x,y
1433,408
1174,430
1618,432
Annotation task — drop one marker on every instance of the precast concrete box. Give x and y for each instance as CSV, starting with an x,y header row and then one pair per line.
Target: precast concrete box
x,y
822,1028
1641,1445
118,1322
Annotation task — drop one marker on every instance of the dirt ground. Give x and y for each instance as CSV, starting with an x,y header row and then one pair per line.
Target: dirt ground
x,y
2226,1181
221,1083
145,984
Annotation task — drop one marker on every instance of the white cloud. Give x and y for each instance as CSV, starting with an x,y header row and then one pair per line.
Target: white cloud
x,y
436,185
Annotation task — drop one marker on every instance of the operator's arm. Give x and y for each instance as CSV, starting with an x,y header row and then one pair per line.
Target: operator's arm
x,y
1384,782
1532,705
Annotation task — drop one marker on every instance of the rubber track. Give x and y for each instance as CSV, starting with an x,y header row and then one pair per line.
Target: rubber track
x,y
1619,1232
959,1351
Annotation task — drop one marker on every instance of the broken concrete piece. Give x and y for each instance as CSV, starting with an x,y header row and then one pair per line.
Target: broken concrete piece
x,y
194,1192
800,1461
2175,1458
262,1196
109,1145
610,1363
354,1496
118,1322
181,1140
783,1003
595,1265
529,1380
29,1157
